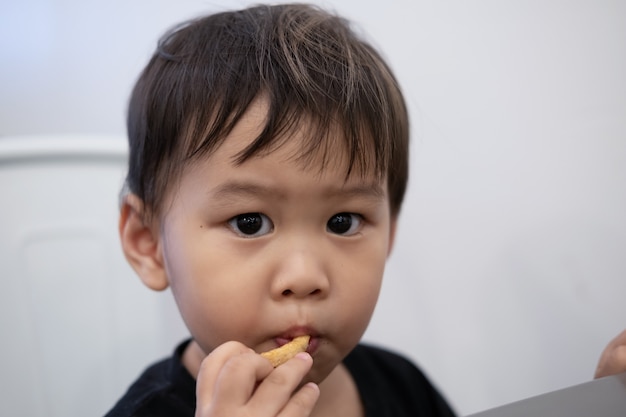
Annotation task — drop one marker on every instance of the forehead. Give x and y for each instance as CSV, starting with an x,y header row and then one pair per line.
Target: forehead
x,y
316,145
312,160
279,173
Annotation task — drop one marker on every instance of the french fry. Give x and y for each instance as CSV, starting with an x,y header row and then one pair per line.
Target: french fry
x,y
287,351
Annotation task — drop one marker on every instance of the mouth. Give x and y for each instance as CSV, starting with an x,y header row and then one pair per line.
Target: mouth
x,y
314,341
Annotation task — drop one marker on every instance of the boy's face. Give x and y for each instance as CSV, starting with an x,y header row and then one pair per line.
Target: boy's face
x,y
268,250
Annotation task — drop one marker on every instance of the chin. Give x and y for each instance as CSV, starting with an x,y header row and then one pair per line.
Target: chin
x,y
318,374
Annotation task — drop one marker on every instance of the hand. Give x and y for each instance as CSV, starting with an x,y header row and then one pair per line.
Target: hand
x,y
613,359
235,381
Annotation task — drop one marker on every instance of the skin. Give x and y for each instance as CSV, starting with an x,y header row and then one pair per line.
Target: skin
x,y
613,358
242,294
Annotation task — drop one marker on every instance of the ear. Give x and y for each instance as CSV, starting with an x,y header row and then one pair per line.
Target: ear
x,y
392,233
141,244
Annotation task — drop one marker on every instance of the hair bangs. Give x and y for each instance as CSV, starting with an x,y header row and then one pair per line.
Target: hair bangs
x,y
310,66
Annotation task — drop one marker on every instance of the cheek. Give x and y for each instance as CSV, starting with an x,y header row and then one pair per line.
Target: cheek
x,y
214,312
363,271
214,300
360,287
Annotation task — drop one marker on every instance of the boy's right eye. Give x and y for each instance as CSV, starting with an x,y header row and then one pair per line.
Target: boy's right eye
x,y
251,224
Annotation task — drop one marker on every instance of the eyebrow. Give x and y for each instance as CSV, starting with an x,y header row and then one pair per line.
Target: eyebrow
x,y
234,189
369,190
239,189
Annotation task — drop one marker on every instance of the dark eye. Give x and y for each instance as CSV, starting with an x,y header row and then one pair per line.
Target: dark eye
x,y
345,224
251,224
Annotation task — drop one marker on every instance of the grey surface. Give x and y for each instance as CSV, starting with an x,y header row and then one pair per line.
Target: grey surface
x,y
604,397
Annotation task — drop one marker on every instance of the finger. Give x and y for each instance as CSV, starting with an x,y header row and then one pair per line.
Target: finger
x,y
613,361
211,367
302,402
276,390
620,339
238,379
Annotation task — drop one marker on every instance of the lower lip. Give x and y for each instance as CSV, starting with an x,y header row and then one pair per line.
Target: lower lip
x,y
314,344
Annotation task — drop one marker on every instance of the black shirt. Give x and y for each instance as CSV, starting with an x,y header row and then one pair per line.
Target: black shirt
x,y
388,384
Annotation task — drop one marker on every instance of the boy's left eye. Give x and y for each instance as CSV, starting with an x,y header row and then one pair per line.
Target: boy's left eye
x,y
251,224
345,224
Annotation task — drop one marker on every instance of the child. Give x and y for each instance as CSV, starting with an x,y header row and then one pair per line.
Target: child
x,y
268,163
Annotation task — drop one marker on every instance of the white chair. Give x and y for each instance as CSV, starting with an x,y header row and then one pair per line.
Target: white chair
x,y
77,325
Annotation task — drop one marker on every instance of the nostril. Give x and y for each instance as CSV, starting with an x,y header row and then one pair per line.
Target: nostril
x,y
287,293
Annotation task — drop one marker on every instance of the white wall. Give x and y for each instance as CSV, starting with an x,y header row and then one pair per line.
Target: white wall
x,y
508,276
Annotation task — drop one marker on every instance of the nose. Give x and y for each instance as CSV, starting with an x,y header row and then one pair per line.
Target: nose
x,y
302,273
